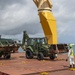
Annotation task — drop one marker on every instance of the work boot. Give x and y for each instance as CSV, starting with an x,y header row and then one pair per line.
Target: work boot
x,y
70,66
73,65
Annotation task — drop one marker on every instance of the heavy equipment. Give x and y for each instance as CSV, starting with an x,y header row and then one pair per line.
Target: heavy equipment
x,y
7,46
39,47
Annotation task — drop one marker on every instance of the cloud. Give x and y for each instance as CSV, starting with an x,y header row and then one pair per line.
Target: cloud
x,y
19,15
64,11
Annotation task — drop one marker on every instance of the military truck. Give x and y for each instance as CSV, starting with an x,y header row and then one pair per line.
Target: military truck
x,y
39,47
7,46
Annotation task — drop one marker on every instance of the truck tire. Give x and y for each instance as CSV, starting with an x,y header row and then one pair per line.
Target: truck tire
x,y
40,56
7,56
29,54
52,56
1,53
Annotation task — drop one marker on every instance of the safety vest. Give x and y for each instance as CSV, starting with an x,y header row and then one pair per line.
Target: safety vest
x,y
72,52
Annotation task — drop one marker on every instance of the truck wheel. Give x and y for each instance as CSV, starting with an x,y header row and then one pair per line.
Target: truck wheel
x,y
29,54
7,56
52,56
40,56
1,53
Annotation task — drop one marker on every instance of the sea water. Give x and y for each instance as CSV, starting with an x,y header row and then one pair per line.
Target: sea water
x,y
20,50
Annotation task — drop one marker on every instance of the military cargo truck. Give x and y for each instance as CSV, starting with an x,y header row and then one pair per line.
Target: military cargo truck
x,y
6,47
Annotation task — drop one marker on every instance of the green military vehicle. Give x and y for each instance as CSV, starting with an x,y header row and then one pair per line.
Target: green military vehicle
x,y
39,47
7,46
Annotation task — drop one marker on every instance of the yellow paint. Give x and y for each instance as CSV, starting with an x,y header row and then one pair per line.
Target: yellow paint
x,y
44,73
23,62
1,64
43,60
72,69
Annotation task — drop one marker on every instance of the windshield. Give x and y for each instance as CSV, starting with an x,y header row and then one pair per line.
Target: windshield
x,y
32,41
41,41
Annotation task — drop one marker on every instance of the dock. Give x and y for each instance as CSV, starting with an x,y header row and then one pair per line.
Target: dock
x,y
19,65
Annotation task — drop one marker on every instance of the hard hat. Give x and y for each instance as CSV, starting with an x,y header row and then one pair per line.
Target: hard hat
x,y
70,45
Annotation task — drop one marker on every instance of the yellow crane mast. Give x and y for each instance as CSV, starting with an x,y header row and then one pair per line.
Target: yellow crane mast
x,y
47,20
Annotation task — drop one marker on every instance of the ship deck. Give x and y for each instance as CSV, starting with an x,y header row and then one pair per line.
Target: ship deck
x,y
19,65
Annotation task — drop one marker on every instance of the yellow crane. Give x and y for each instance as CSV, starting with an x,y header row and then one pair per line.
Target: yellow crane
x,y
47,20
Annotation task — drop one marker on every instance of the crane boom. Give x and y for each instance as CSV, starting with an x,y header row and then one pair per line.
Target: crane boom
x,y
47,20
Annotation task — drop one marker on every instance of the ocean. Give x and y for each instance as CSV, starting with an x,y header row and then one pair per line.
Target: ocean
x,y
20,50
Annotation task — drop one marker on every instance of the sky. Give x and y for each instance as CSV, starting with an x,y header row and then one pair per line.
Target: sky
x,y
19,15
